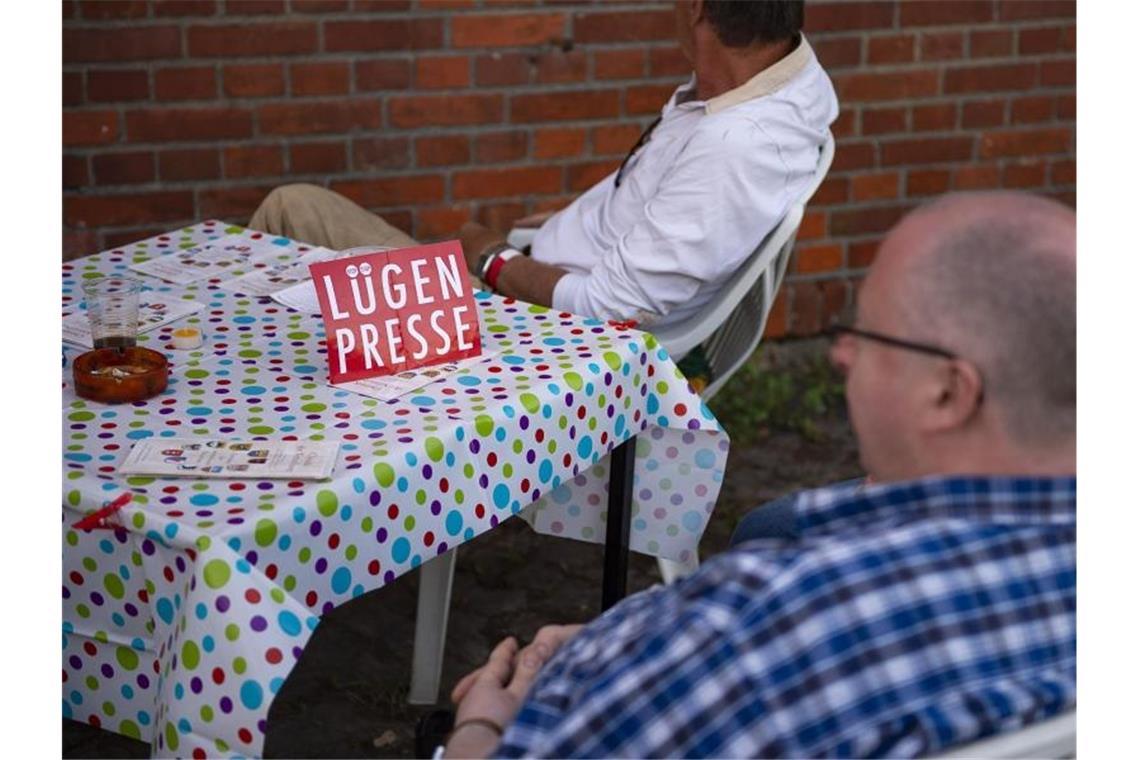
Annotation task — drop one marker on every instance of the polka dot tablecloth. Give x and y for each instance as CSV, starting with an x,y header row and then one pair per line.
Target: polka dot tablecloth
x,y
181,624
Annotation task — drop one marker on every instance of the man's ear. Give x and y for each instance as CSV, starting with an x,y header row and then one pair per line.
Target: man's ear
x,y
954,396
696,10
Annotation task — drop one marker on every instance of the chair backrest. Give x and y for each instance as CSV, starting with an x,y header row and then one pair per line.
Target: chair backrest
x,y
731,324
1053,738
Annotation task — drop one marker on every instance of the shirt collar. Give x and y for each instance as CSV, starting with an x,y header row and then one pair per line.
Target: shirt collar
x,y
766,82
988,499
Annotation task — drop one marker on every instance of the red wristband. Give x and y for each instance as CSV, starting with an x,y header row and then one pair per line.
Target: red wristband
x,y
496,267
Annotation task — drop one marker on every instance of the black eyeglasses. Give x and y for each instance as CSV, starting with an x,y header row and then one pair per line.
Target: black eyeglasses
x,y
636,146
836,331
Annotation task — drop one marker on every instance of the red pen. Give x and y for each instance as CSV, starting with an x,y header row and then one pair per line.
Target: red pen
x,y
95,519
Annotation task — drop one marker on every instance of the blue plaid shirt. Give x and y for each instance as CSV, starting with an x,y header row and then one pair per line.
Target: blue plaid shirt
x,y
906,618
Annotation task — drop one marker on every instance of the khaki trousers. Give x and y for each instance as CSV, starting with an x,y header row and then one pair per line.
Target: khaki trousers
x,y
318,216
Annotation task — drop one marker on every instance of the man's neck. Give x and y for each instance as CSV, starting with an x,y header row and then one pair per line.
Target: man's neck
x,y
720,68
990,459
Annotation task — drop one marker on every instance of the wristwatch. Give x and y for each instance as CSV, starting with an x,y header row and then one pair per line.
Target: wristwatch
x,y
486,257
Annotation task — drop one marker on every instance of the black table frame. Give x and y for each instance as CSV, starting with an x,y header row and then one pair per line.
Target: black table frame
x,y
619,512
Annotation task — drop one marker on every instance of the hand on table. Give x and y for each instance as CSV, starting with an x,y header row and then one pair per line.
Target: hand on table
x,y
495,692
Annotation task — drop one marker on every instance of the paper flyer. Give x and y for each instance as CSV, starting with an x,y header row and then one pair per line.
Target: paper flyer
x,y
154,312
217,458
213,259
301,297
270,279
389,387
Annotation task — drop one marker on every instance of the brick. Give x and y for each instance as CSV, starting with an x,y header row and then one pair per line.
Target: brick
x,y
168,8
1029,142
558,67
442,72
382,75
1032,109
845,16
123,238
502,69
318,6
559,143
1026,175
1018,10
983,113
927,182
806,308
976,178
877,121
254,7
117,85
616,139
896,48
440,222
123,168
317,158
945,12
1046,40
110,10
381,153
90,128
555,203
832,190
500,216
942,46
506,183
777,324
500,147
583,176
647,99
664,62
118,210
506,30
444,110
991,43
927,150
307,118
934,118
257,80
387,34
230,202
813,226
838,52
562,106
72,88
624,26
443,150
324,78
189,164
887,85
185,83
813,259
874,187
70,9
1009,76
844,124
853,155
114,45
1059,73
80,242
75,172
397,6
861,254
245,161
866,220
1067,106
252,39
1063,172
624,63
186,124
392,191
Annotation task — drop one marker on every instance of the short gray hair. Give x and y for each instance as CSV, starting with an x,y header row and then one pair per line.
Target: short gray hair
x,y
998,285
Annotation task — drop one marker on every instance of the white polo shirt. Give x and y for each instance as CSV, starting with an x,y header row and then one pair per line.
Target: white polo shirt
x,y
714,178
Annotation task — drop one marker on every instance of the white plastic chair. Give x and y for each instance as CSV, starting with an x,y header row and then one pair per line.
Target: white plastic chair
x,y
729,326
1054,738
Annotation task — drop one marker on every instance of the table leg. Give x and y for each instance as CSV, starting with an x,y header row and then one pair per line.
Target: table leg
x,y
618,515
431,627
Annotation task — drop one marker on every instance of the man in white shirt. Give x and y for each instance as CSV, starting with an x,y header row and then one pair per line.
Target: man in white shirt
x,y
650,244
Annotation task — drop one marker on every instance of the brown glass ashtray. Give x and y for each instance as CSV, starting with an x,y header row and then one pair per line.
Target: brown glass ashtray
x,y
119,375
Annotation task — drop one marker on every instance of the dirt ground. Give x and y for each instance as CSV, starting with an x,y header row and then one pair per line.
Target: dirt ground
x,y
346,696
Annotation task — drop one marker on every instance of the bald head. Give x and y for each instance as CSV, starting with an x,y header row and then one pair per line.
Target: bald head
x,y
992,276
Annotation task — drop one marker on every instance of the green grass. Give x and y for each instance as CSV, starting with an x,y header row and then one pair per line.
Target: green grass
x,y
764,396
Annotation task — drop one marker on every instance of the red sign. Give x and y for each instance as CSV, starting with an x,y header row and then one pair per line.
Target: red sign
x,y
391,311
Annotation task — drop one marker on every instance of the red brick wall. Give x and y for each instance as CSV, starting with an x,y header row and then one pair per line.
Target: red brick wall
x,y
433,113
